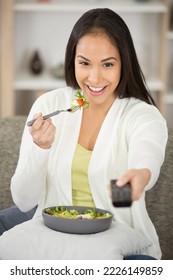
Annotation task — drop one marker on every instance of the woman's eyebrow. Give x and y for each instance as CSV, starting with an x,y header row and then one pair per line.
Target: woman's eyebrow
x,y
103,60
81,56
109,58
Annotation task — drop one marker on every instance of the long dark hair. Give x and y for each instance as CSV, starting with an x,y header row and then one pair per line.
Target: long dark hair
x,y
132,82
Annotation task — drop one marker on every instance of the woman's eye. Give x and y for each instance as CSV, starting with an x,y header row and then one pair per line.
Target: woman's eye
x,y
108,64
84,63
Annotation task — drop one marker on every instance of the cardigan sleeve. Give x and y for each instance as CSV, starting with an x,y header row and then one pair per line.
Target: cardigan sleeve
x,y
28,181
147,141
28,184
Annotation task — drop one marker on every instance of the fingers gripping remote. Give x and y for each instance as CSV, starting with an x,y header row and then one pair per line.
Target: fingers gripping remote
x,y
121,196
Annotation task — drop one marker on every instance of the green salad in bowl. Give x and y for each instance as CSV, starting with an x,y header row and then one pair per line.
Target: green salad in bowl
x,y
75,214
77,219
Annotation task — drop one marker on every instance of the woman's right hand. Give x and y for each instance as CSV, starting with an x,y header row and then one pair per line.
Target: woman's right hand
x,y
42,132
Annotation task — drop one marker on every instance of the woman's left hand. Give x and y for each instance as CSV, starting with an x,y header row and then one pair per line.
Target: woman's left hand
x,y
138,179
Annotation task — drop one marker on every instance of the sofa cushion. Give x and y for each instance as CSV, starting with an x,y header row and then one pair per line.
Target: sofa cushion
x,y
160,202
11,129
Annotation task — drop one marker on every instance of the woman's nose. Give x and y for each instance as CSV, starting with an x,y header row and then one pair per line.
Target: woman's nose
x,y
95,76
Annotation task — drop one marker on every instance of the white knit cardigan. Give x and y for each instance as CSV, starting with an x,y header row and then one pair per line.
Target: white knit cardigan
x,y
133,135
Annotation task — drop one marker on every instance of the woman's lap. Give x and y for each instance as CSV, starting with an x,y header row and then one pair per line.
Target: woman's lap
x,y
35,241
12,216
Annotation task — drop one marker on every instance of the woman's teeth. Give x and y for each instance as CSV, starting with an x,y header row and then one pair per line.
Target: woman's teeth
x,y
94,89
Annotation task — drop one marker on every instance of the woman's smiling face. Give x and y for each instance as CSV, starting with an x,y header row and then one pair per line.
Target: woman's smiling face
x,y
97,68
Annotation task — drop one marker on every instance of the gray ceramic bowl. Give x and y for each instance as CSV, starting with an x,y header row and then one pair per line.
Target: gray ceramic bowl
x,y
77,226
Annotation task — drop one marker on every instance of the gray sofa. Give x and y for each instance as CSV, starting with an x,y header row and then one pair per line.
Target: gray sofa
x,y
159,200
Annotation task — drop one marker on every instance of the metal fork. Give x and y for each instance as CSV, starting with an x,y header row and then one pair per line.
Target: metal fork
x,y
72,110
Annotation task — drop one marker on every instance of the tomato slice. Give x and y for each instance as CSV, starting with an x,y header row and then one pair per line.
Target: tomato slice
x,y
80,101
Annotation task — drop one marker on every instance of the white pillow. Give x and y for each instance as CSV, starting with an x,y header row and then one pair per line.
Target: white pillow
x,y
33,240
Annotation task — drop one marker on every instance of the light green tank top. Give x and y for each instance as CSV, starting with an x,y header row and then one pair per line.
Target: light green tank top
x,y
81,193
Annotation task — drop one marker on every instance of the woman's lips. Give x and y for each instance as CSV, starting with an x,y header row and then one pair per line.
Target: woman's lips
x,y
96,90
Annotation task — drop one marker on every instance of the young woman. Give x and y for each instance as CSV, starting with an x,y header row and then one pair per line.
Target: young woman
x,y
71,158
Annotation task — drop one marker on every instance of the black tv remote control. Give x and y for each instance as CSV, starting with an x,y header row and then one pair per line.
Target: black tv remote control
x,y
121,196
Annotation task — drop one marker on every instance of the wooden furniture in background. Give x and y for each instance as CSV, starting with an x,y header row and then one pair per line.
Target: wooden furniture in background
x,y
26,20
6,58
